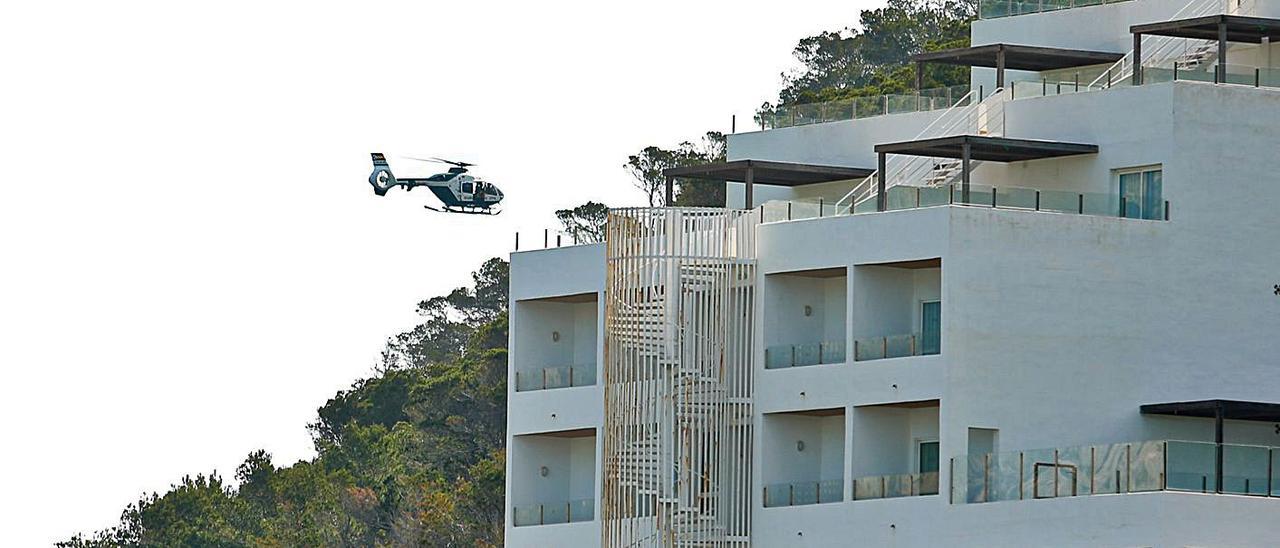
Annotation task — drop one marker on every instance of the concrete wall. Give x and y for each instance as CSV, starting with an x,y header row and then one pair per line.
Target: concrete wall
x,y
785,298
823,455
575,323
886,300
885,438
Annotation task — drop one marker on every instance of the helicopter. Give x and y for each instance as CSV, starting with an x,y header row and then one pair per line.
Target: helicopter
x,y
457,191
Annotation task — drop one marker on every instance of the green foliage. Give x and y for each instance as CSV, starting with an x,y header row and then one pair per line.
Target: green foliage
x,y
646,172
412,456
585,223
874,58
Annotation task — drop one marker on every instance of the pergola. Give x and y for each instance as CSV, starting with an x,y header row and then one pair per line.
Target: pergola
x,y
1223,28
1218,410
1012,56
967,148
752,172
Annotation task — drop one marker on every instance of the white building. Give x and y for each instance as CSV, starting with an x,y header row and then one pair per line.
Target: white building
x,y
1072,339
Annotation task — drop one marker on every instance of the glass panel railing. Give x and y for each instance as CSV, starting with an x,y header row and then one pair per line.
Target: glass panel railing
x,y
893,346
807,354
1112,469
554,513
1245,469
783,356
994,9
1191,466
582,510
555,377
830,491
803,492
864,107
902,197
527,515
895,486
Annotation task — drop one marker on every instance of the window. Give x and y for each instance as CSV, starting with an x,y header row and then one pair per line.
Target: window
x,y
466,188
930,327
928,457
1141,193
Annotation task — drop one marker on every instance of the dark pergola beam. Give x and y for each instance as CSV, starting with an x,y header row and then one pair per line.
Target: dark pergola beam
x,y
1003,57
987,148
1240,29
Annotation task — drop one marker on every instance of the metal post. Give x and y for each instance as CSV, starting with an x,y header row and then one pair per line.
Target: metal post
x,y
1257,77
1222,54
545,240
999,66
1137,60
1217,439
517,240
882,203
751,182
557,240
966,151
1037,200
733,124
1166,210
669,194
819,216
993,197
1081,200
788,211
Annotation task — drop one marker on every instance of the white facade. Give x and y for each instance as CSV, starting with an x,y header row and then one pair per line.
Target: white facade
x,y
953,349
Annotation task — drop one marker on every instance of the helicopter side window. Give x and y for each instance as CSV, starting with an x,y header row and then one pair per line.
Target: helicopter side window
x,y
466,188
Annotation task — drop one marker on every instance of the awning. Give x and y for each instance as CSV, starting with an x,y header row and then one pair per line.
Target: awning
x,y
1237,28
753,172
987,148
1015,57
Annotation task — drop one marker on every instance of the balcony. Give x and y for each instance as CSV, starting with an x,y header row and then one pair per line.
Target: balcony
x,y
804,318
553,478
895,450
803,457
555,342
1120,468
995,9
897,310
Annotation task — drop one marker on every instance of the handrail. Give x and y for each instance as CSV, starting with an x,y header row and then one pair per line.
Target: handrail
x,y
967,98
1163,48
977,114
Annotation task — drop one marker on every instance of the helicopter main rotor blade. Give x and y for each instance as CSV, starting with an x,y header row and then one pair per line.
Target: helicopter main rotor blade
x,y
439,161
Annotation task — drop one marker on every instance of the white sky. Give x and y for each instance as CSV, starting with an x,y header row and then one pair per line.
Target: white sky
x,y
191,258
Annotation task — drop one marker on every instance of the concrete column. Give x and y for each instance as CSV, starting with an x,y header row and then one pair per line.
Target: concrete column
x,y
882,201
1137,59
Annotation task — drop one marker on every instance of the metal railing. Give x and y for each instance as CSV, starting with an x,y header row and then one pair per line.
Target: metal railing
x,y
547,238
894,346
895,486
783,356
804,492
1119,468
985,117
1158,50
856,108
552,513
1019,198
555,377
995,9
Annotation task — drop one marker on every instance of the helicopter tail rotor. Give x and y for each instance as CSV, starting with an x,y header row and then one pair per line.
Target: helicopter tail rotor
x,y
381,178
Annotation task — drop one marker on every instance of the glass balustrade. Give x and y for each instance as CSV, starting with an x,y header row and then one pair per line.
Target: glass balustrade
x,y
864,107
783,356
895,346
895,486
553,513
555,377
902,197
995,9
1114,469
803,492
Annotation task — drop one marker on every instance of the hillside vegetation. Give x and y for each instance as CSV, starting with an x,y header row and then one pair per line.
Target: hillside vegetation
x,y
414,454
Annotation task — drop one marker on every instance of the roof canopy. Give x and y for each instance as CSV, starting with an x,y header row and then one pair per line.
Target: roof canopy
x,y
1018,57
986,148
769,173
1238,28
1230,409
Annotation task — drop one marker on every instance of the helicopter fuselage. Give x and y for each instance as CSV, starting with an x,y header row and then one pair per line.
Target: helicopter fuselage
x,y
456,190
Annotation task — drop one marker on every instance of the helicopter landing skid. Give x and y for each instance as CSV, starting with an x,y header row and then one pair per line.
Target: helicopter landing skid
x,y
466,210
